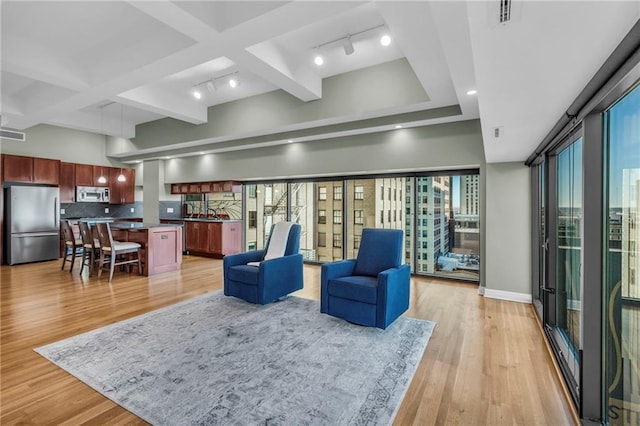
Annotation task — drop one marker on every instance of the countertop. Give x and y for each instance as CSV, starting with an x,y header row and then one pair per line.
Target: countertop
x,y
140,225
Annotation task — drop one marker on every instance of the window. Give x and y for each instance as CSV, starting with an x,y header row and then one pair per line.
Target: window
x,y
389,216
322,216
337,193
251,245
389,193
359,193
356,241
322,193
381,216
382,193
358,217
322,239
337,240
251,190
337,216
253,219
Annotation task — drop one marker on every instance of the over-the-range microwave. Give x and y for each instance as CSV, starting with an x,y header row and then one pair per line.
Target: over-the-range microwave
x,y
92,194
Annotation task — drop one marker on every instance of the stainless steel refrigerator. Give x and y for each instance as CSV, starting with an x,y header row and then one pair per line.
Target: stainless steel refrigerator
x,y
32,224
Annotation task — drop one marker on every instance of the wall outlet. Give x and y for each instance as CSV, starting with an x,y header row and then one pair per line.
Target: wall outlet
x,y
106,209
62,211
169,209
133,209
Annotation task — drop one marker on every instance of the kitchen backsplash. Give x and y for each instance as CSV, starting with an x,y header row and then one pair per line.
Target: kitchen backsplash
x,y
168,210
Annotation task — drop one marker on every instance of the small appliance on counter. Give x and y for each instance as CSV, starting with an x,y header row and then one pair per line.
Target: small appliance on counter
x,y
32,224
92,194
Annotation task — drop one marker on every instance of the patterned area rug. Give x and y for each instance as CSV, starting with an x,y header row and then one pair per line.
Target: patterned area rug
x,y
219,360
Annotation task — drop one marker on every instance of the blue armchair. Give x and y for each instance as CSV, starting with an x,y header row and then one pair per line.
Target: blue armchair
x,y
373,289
262,276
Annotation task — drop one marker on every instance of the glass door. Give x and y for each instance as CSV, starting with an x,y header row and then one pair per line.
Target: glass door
x,y
563,265
621,290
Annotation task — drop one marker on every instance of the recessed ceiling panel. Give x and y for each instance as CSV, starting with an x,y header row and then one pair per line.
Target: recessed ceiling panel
x,y
222,15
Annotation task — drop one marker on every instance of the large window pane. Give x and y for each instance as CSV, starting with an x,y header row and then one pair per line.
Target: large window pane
x,y
448,226
622,263
371,204
269,205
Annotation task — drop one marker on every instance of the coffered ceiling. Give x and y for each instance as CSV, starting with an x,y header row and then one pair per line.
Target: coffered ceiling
x,y
107,66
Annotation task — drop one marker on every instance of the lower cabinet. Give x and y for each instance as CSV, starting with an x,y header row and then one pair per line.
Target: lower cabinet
x,y
215,239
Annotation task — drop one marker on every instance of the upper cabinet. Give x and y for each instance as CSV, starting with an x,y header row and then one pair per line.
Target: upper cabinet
x,y
206,187
84,175
17,168
121,192
100,172
67,182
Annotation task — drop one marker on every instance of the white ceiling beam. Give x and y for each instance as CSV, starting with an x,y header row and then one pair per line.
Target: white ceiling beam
x,y
274,65
176,18
452,25
414,21
164,103
88,122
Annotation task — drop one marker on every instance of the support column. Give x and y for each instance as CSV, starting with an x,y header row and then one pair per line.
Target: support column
x,y
153,184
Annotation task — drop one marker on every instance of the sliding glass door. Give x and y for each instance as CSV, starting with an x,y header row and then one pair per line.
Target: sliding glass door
x,y
621,291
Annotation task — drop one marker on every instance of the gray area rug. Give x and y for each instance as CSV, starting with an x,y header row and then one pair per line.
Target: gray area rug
x,y
220,360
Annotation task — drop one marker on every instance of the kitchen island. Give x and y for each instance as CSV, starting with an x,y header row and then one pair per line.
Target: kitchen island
x,y
161,244
213,237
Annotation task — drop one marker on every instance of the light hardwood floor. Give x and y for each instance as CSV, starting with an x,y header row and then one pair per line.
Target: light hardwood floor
x,y
486,362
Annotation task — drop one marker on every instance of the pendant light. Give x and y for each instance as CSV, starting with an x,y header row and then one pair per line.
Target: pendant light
x,y
101,178
121,176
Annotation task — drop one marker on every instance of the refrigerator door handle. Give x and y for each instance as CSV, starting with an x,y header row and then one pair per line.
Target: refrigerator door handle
x,y
32,234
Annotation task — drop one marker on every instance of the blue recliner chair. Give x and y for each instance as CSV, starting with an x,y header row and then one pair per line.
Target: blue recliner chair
x,y
373,289
262,276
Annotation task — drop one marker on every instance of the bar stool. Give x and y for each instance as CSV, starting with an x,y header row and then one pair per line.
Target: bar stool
x,y
110,250
90,247
72,245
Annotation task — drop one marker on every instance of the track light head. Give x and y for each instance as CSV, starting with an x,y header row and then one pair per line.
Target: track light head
x,y
319,60
348,46
385,40
195,91
210,86
234,81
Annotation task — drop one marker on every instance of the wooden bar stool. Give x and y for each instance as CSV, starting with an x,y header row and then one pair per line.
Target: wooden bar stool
x,y
90,247
72,246
112,251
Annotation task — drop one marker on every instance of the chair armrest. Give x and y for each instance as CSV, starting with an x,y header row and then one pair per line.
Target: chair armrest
x,y
242,258
280,276
329,271
280,264
393,289
341,268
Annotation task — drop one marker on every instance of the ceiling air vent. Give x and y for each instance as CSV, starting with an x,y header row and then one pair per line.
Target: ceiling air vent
x,y
12,135
504,11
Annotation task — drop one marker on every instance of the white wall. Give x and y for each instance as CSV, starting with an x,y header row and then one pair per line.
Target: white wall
x,y
438,147
73,146
508,232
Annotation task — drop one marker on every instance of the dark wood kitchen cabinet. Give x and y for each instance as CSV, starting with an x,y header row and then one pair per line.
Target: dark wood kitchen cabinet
x,y
98,172
46,171
121,192
67,182
18,168
84,175
213,238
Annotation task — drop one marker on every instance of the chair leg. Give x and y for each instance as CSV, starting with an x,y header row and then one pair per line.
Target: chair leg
x,y
73,258
139,264
100,264
112,266
64,259
84,256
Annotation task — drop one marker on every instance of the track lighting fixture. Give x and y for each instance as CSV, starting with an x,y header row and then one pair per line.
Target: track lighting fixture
x,y
347,43
348,46
210,85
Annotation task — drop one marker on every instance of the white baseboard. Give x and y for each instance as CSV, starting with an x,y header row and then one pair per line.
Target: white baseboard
x,y
507,295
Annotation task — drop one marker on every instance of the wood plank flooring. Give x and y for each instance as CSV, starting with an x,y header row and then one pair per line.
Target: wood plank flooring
x,y
486,362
